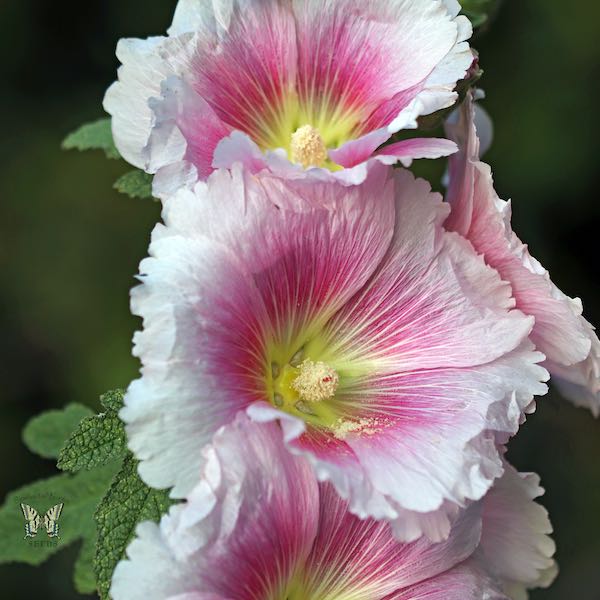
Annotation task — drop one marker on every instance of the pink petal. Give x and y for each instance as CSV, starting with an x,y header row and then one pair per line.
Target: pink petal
x,y
560,331
465,582
408,150
248,524
515,546
243,261
356,151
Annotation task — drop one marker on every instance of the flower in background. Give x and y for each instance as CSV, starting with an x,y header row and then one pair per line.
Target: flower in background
x,y
385,347
287,85
259,526
569,342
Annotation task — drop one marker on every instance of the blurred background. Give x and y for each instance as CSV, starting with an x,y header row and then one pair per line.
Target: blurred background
x,y
70,245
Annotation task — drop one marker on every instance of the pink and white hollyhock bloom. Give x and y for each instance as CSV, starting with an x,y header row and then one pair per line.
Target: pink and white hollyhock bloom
x,y
561,332
386,349
259,526
296,86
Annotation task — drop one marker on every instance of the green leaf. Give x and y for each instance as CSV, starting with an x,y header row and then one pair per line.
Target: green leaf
x,y
112,400
98,439
84,578
128,502
92,136
46,433
80,495
136,184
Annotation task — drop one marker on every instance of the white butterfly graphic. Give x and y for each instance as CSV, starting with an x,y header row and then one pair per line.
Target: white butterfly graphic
x,y
33,520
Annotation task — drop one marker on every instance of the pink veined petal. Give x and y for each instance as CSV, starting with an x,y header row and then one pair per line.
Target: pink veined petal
x,y
183,111
371,67
408,150
516,547
433,390
430,298
361,558
465,582
260,528
258,54
357,151
560,330
337,56
224,279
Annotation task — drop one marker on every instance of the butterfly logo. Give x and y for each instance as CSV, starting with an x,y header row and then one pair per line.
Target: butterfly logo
x,y
33,520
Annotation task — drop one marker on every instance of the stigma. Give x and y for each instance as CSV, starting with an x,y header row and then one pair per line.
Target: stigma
x,y
316,381
307,147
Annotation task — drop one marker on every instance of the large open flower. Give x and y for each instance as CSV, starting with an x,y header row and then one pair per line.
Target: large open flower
x,y
561,332
383,345
288,85
259,526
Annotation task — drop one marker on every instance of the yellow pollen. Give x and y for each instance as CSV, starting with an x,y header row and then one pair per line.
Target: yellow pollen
x,y
307,147
316,381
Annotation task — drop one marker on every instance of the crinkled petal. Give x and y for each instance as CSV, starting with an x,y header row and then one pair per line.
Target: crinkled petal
x,y
146,64
516,547
248,524
348,69
560,330
224,279
446,363
465,582
258,521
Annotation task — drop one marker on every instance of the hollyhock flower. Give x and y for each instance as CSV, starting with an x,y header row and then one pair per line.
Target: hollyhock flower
x,y
569,342
259,526
297,86
383,345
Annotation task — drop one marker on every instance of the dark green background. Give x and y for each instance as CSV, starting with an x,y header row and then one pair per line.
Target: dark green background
x,y
69,245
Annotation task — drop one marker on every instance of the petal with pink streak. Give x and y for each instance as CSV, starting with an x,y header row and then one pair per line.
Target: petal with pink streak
x,y
260,526
357,151
223,279
362,559
408,150
246,73
560,330
465,582
516,547
182,109
446,361
432,302
365,68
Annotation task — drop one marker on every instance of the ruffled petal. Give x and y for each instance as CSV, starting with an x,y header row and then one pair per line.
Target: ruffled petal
x,y
225,279
146,64
465,582
438,363
248,524
560,330
288,65
359,558
516,547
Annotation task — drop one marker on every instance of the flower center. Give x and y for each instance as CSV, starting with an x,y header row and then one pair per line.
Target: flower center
x,y
305,389
307,147
316,381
